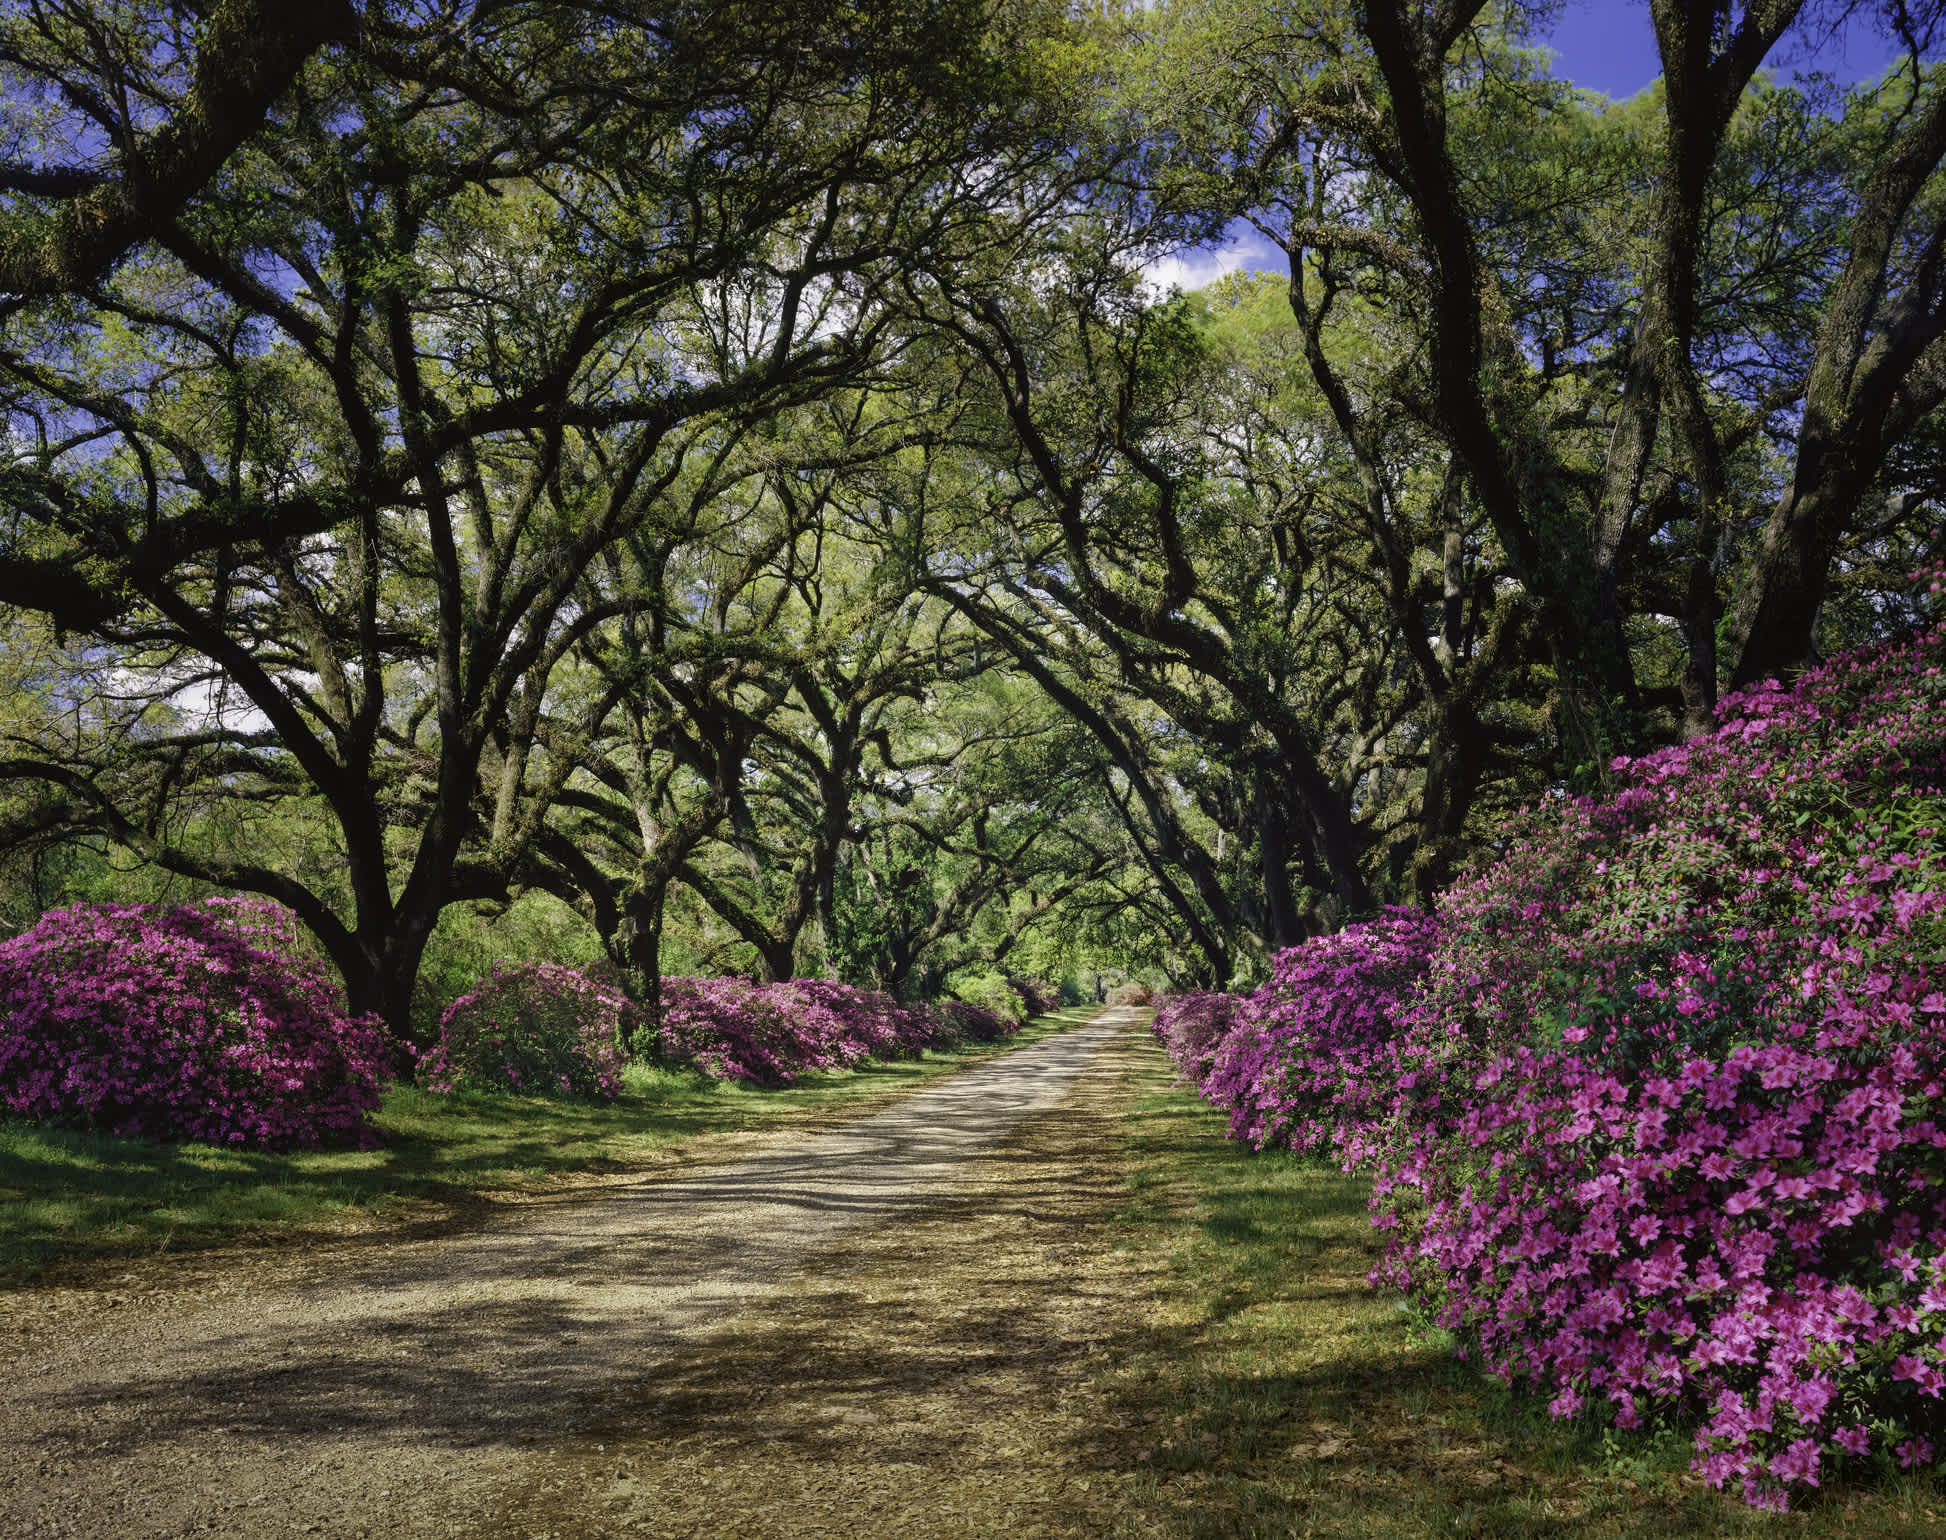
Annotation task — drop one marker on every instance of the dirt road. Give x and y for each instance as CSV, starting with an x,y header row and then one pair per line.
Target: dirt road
x,y
549,1374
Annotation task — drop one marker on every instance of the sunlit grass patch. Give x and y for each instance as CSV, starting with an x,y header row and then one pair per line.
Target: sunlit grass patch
x,y
1286,1397
69,1197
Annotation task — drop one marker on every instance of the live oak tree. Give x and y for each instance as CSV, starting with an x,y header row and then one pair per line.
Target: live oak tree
x,y
756,648
1877,374
347,433
1434,190
790,713
162,94
1535,260
722,465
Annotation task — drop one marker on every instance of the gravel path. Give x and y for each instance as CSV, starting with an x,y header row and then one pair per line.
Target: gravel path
x,y
401,1395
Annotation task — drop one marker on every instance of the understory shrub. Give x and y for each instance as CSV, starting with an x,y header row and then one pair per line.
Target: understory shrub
x,y
200,1022
993,992
537,1028
1037,996
1191,1024
733,1029
1659,1133
954,1023
884,1028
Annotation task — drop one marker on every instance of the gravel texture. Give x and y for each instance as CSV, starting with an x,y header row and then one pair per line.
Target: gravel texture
x,y
463,1384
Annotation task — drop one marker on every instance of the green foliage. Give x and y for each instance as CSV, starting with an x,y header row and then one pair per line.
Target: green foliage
x,y
989,991
873,919
802,538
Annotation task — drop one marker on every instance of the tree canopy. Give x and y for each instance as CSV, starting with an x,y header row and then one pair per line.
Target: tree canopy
x,y
721,474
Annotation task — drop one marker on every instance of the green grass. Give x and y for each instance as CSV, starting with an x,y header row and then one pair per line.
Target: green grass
x,y
72,1200
1286,1397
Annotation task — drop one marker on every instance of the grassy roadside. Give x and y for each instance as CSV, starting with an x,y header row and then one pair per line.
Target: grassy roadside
x,y
71,1199
1297,1401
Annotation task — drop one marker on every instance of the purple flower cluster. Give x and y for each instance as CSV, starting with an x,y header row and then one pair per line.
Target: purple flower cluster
x,y
1191,1025
537,1028
733,1029
1660,1129
204,1022
1309,1050
954,1023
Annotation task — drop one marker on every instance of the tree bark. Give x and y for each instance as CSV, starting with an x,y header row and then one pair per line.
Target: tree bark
x,y
1880,367
251,51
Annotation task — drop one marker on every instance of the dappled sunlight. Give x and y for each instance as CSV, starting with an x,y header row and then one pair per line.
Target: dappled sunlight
x,y
67,1197
1289,1396
523,1335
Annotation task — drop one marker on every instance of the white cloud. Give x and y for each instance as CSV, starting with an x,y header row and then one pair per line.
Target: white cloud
x,y
1195,267
1187,270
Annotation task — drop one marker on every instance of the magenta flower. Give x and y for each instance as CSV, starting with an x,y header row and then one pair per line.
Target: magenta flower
x,y
1797,1463
1650,1105
532,1027
734,1029
1909,1366
204,1022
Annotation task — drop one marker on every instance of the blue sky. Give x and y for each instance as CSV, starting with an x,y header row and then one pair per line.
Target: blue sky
x,y
1601,45
1608,46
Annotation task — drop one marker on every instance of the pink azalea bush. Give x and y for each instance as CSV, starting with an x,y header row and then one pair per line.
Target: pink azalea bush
x,y
1660,1132
1190,1025
1037,996
733,1029
203,1022
1302,1061
884,1028
954,1023
536,1028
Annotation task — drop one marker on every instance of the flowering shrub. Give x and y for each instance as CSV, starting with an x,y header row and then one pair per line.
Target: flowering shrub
x,y
733,1029
992,992
1037,996
884,1028
537,1028
202,1022
1191,1025
1308,1052
1135,992
1659,1133
954,1022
